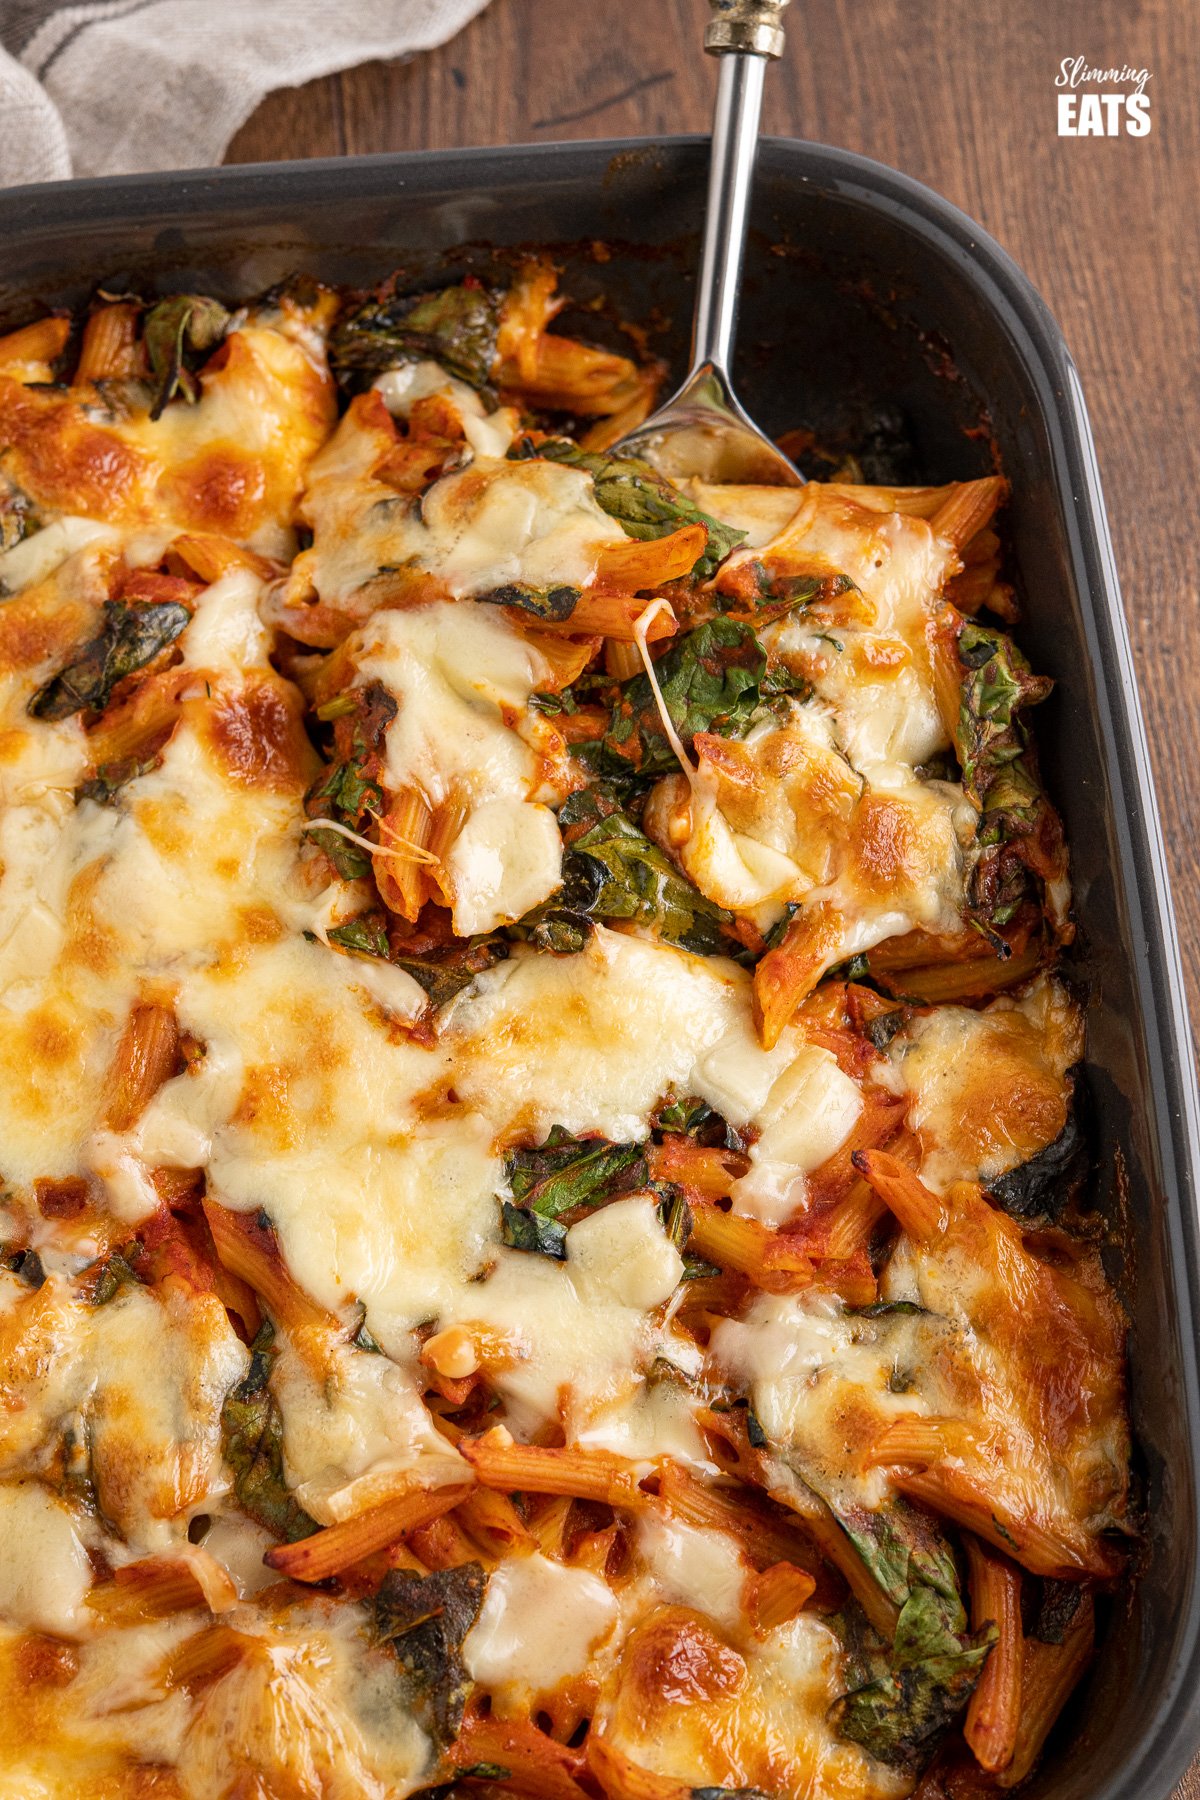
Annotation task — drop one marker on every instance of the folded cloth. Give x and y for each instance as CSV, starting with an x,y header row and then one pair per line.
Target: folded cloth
x,y
113,87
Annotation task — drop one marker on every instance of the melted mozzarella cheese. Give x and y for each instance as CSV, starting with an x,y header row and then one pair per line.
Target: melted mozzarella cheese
x,y
311,1706
704,1569
689,1706
46,1574
139,1382
989,1089
592,1041
488,433
579,1334
352,1424
823,1384
540,1623
486,526
232,463
464,733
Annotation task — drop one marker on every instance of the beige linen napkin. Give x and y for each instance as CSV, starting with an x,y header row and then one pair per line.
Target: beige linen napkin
x,y
112,87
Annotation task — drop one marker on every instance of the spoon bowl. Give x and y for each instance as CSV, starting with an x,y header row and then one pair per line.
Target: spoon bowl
x,y
703,430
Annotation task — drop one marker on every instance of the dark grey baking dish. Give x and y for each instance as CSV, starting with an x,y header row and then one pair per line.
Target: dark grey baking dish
x,y
874,312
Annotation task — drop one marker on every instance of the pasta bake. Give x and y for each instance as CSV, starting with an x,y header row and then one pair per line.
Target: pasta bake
x,y
545,1233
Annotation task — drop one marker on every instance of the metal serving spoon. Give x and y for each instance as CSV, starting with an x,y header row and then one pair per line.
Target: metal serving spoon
x,y
703,429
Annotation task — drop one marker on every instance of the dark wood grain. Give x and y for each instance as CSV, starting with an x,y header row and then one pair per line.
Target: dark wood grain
x,y
962,97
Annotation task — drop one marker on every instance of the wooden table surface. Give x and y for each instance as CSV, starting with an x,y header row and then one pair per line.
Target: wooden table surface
x,y
960,94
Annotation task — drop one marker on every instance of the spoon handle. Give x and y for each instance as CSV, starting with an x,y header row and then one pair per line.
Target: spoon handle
x,y
744,34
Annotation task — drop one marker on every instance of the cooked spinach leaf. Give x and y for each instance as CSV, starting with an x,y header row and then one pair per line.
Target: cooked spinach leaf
x,y
110,777
348,789
455,326
522,1229
567,1172
446,973
611,870
364,936
1039,1189
19,517
643,502
180,323
252,1444
130,637
722,1793
1019,830
26,1265
557,603
900,1717
905,1694
773,596
115,1273
350,860
425,1619
1060,1601
710,679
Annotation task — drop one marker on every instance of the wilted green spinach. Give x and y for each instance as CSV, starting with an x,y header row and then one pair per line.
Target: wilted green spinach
x,y
130,637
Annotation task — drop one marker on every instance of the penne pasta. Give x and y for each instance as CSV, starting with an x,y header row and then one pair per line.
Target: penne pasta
x,y
498,1462
994,1710
146,1056
337,1547
161,1586
111,348
1049,1675
248,1249
777,1594
30,353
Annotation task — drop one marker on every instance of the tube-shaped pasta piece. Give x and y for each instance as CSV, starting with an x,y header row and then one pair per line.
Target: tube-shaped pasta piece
x,y
159,1586
787,974
968,508
608,615
493,1520
548,1523
140,725
146,1056
110,348
498,1462
777,1594
770,1259
710,1172
937,1461
920,1212
640,563
211,557
564,375
973,978
249,1250
622,661
1050,1673
526,311
994,1710
336,1547
401,868
880,1118
850,1223
206,1656
539,1767
443,1544
765,1536
28,353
